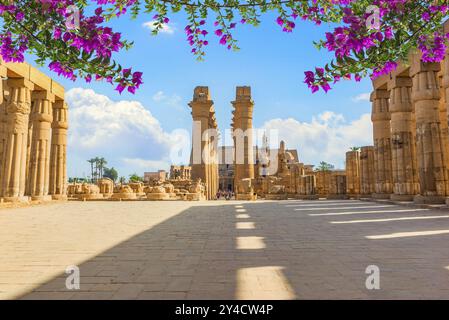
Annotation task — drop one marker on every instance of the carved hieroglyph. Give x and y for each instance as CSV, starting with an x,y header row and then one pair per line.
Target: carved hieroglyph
x,y
16,134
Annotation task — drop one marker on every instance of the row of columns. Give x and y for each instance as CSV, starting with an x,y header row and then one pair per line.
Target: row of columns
x,y
410,131
33,142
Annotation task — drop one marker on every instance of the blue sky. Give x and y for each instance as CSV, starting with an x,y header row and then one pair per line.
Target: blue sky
x,y
270,61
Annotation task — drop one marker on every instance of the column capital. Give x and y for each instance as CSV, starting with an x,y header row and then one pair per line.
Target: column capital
x,y
43,95
20,82
201,109
60,104
380,105
379,94
418,66
397,82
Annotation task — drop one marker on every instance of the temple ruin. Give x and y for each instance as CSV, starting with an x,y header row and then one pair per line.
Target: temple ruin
x,y
33,135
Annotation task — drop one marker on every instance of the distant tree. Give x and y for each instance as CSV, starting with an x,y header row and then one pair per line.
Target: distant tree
x,y
354,148
135,178
110,173
92,162
324,166
122,180
75,179
97,163
101,165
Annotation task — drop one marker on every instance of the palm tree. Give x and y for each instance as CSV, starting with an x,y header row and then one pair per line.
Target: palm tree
x,y
96,159
135,178
91,161
354,148
101,163
324,166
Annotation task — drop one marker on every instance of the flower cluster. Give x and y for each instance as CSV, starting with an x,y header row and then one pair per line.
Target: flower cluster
x,y
83,50
196,37
368,36
361,44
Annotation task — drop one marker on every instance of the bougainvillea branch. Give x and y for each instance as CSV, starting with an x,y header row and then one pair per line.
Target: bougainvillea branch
x,y
367,38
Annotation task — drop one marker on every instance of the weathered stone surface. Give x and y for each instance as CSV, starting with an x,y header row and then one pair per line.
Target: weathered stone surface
x,y
204,161
431,154
404,165
382,142
367,175
243,143
353,172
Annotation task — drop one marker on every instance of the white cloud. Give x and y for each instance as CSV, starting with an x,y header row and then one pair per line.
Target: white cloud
x,y
170,100
166,28
365,97
159,96
142,165
326,138
117,130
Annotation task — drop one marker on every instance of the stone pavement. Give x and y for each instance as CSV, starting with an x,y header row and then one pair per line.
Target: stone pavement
x,y
224,250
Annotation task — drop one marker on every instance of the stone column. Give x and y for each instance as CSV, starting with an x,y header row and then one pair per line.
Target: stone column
x,y
405,175
213,155
367,171
39,163
243,140
2,130
338,185
353,173
430,143
201,108
382,144
16,135
58,152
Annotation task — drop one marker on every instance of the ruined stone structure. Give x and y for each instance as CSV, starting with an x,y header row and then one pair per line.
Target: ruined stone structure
x,y
353,173
150,177
403,149
338,185
204,159
411,132
367,171
242,125
106,186
180,172
380,116
33,135
323,182
307,187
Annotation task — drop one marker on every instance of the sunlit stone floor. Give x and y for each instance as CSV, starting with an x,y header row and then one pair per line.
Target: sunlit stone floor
x,y
224,250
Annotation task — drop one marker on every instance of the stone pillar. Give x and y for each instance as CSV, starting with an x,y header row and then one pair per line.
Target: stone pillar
x,y
307,188
382,144
353,173
444,104
430,143
16,135
58,152
403,150
338,185
323,182
204,137
243,142
2,130
367,171
39,162
213,155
